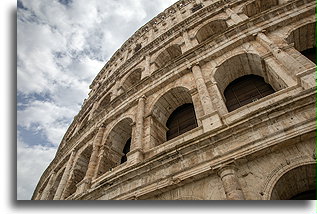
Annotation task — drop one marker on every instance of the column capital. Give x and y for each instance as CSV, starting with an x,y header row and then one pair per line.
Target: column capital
x,y
226,6
143,97
195,64
227,169
230,182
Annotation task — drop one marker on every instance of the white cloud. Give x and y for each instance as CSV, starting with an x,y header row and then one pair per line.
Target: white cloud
x,y
60,50
31,162
46,117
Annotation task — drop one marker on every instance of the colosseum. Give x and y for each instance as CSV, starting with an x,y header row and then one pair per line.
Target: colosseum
x,y
210,100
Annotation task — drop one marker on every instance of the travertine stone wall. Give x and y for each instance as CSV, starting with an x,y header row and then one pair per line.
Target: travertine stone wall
x,y
190,53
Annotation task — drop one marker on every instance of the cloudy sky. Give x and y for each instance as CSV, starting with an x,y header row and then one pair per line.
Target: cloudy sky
x,y
61,46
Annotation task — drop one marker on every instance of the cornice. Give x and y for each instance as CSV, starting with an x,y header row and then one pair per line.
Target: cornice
x,y
201,143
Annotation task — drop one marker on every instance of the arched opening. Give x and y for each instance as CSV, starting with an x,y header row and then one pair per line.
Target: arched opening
x,y
246,64
133,78
166,122
245,90
168,55
304,40
213,28
79,171
104,102
116,147
306,195
183,119
296,184
258,6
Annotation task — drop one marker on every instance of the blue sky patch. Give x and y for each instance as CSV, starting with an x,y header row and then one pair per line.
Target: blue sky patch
x,y
33,138
65,2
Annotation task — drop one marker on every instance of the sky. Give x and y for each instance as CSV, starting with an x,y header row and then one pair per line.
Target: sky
x,y
61,47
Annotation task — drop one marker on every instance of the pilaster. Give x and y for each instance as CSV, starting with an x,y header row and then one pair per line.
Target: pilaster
x,y
211,118
292,65
93,161
65,177
136,153
230,182
48,187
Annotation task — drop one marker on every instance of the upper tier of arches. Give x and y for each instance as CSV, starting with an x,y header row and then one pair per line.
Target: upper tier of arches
x,y
218,71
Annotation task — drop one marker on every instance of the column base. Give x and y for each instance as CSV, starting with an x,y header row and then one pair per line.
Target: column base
x,y
83,186
211,121
135,156
307,79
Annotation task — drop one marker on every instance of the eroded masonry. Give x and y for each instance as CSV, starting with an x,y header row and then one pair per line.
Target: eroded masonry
x,y
210,100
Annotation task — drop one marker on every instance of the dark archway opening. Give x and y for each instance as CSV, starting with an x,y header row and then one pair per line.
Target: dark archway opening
x,y
245,90
296,184
181,120
307,195
310,54
126,149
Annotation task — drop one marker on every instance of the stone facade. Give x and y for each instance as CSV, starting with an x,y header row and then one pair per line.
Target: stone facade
x,y
190,53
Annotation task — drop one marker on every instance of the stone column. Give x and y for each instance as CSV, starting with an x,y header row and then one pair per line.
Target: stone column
x,y
219,102
136,153
65,177
147,70
211,118
202,90
48,187
292,65
100,158
188,43
94,155
230,183
68,182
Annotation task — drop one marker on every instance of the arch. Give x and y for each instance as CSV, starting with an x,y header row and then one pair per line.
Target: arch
x,y
241,65
210,29
168,55
258,6
237,66
116,146
304,40
132,78
79,170
169,101
245,90
293,181
104,102
163,109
